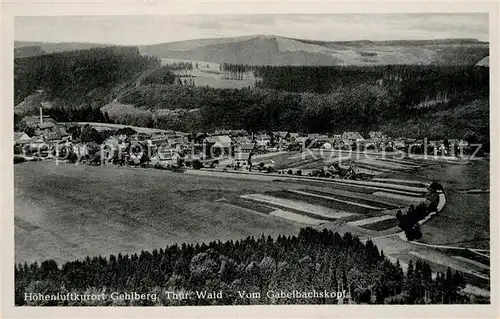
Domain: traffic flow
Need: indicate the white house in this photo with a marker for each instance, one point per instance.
(242, 160)
(21, 138)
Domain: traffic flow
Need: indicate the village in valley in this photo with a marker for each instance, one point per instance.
(234, 149)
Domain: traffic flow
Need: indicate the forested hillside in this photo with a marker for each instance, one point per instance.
(313, 260)
(413, 81)
(420, 106)
(77, 80)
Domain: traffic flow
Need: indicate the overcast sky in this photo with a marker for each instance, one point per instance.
(130, 30)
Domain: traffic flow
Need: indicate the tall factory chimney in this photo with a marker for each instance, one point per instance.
(41, 105)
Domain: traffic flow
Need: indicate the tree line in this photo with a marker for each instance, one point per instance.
(312, 260)
(180, 66)
(235, 71)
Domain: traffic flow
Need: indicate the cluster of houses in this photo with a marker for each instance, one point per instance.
(166, 147)
(44, 132)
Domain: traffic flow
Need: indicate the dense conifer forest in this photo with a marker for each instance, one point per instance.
(312, 260)
(79, 82)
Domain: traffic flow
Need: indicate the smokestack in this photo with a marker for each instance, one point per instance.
(41, 114)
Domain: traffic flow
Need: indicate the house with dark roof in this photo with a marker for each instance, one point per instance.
(281, 136)
(48, 129)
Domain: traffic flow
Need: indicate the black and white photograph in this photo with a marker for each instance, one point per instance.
(251, 159)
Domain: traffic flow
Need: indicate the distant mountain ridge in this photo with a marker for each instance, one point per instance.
(277, 50)
(28, 51)
(50, 47)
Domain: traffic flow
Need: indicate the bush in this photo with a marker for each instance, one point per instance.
(72, 158)
(299, 173)
(18, 149)
(290, 172)
(197, 164)
(19, 159)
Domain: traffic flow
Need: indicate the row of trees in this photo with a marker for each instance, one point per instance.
(408, 222)
(235, 71)
(313, 260)
(181, 66)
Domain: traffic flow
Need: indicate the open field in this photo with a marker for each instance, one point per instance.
(465, 218)
(62, 210)
(327, 201)
(369, 163)
(382, 224)
(320, 211)
(208, 74)
(300, 218)
(440, 260)
(66, 212)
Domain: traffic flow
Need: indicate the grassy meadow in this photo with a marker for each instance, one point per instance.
(68, 211)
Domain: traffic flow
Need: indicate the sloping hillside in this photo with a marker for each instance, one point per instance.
(191, 44)
(30, 105)
(262, 50)
(275, 50)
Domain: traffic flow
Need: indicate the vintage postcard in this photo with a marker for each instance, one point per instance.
(267, 160)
